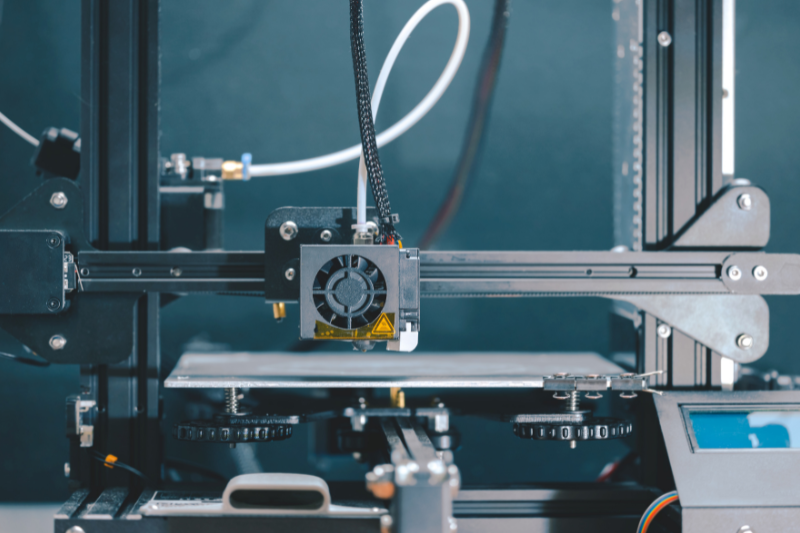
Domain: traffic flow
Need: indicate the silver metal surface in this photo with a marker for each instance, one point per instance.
(734, 272)
(290, 273)
(728, 88)
(180, 165)
(57, 342)
(288, 230)
(733, 479)
(664, 331)
(232, 400)
(745, 202)
(379, 370)
(714, 321)
(744, 341)
(760, 273)
(107, 505)
(72, 505)
(326, 235)
(664, 39)
(58, 200)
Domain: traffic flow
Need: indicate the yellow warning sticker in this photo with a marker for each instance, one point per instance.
(383, 325)
(381, 329)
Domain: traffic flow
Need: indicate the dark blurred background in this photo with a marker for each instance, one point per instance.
(275, 78)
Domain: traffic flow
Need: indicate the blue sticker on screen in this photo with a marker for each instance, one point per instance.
(745, 429)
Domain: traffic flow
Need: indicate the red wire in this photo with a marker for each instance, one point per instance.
(665, 503)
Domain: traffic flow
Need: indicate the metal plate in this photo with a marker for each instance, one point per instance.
(728, 478)
(344, 370)
(31, 272)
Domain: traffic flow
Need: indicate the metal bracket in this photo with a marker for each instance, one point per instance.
(739, 217)
(97, 327)
(418, 476)
(719, 322)
(80, 420)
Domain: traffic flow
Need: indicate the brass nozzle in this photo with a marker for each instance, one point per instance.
(279, 311)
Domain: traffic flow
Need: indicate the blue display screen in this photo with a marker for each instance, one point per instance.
(745, 429)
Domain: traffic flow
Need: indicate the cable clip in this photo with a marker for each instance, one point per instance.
(247, 158)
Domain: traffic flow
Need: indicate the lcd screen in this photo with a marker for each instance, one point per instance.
(744, 429)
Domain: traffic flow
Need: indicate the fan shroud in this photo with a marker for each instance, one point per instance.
(349, 292)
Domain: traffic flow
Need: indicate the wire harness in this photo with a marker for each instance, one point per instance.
(369, 145)
(656, 507)
(111, 461)
(476, 130)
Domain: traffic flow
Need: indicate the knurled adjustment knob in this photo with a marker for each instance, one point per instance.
(589, 429)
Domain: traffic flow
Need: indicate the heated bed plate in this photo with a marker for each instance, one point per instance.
(343, 370)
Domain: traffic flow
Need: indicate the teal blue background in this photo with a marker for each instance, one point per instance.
(275, 78)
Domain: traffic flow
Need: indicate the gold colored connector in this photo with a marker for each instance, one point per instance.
(397, 397)
(279, 311)
(232, 170)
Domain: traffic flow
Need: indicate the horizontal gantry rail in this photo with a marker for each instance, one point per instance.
(467, 274)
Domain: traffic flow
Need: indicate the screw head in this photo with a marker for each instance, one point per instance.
(745, 202)
(734, 272)
(664, 39)
(53, 241)
(78, 529)
(664, 331)
(744, 341)
(326, 235)
(84, 272)
(53, 304)
(760, 273)
(58, 200)
(57, 342)
(66, 469)
(290, 273)
(136, 272)
(744, 529)
(288, 230)
(176, 272)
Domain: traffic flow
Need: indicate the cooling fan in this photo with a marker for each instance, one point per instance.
(360, 293)
(349, 292)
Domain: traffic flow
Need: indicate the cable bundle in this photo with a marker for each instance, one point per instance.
(650, 513)
(367, 126)
(473, 141)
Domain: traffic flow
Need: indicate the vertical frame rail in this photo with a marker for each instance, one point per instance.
(120, 78)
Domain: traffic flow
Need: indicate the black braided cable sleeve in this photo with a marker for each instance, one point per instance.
(367, 126)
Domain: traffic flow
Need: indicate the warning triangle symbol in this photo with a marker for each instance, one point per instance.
(383, 325)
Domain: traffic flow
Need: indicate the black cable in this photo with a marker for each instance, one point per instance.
(102, 458)
(474, 139)
(25, 360)
(367, 126)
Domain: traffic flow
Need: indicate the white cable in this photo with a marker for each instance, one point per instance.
(426, 104)
(404, 124)
(19, 131)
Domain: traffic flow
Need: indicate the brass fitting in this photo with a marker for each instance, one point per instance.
(232, 170)
(397, 397)
(279, 311)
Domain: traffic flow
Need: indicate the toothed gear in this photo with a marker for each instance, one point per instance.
(232, 428)
(590, 429)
